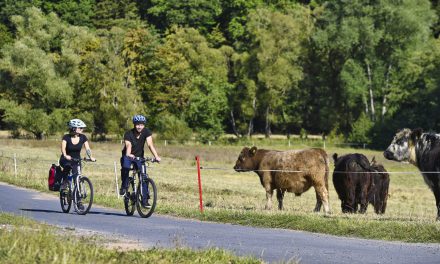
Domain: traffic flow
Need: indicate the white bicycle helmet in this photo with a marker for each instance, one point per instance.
(74, 123)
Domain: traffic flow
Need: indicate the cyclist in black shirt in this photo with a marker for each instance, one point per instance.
(71, 146)
(134, 140)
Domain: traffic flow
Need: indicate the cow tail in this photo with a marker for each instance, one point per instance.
(327, 172)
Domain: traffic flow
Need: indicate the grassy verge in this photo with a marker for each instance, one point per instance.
(25, 241)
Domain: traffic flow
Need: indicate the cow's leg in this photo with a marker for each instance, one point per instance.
(363, 199)
(350, 202)
(377, 206)
(384, 203)
(323, 195)
(343, 207)
(318, 202)
(436, 191)
(280, 196)
(269, 193)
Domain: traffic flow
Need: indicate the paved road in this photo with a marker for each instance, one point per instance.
(271, 245)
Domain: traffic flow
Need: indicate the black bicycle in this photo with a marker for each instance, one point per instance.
(79, 191)
(142, 196)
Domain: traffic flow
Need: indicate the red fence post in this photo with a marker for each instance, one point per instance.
(200, 184)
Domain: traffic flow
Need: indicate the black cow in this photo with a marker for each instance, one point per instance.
(423, 151)
(378, 194)
(352, 181)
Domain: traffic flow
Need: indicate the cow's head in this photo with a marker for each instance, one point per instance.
(245, 161)
(402, 148)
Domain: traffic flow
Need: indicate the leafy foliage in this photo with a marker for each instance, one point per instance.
(221, 66)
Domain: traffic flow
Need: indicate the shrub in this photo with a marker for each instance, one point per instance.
(172, 128)
(361, 129)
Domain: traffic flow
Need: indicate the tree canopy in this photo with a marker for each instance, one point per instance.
(357, 68)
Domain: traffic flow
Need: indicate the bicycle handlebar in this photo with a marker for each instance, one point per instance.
(84, 159)
(147, 159)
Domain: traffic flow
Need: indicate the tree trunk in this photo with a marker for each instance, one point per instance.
(267, 128)
(251, 121)
(286, 125)
(364, 99)
(234, 126)
(370, 88)
(387, 86)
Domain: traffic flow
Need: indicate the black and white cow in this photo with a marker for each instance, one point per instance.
(423, 151)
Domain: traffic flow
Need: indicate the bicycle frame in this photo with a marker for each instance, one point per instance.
(139, 172)
(79, 188)
(141, 189)
(76, 179)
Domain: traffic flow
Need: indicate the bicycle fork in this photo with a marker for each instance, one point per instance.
(143, 176)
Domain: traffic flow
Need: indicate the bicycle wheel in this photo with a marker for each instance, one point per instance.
(83, 196)
(146, 203)
(66, 199)
(130, 198)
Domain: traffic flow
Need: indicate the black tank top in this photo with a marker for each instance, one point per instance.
(74, 150)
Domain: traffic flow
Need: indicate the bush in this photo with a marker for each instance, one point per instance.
(361, 129)
(172, 128)
(335, 136)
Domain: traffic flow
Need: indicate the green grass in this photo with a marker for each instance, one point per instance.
(238, 198)
(25, 241)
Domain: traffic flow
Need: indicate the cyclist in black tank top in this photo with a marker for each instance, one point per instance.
(134, 142)
(71, 146)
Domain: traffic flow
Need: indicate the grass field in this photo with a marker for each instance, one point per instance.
(234, 197)
(25, 241)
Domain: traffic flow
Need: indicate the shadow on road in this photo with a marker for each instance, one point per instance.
(107, 213)
(60, 212)
(40, 210)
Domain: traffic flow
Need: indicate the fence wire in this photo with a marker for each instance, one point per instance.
(111, 166)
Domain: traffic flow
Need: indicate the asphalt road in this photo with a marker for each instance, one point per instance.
(271, 245)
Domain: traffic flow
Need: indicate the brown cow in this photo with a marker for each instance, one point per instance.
(292, 171)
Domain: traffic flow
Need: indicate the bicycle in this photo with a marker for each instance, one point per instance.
(135, 196)
(82, 194)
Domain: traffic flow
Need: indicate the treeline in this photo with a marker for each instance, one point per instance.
(356, 70)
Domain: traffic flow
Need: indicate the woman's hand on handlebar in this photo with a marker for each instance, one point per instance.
(156, 159)
(68, 157)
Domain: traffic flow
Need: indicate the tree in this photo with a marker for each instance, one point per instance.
(188, 79)
(9, 8)
(104, 89)
(200, 14)
(276, 46)
(32, 85)
(5, 36)
(233, 19)
(109, 13)
(74, 12)
(359, 45)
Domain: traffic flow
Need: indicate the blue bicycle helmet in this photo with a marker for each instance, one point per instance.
(139, 119)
